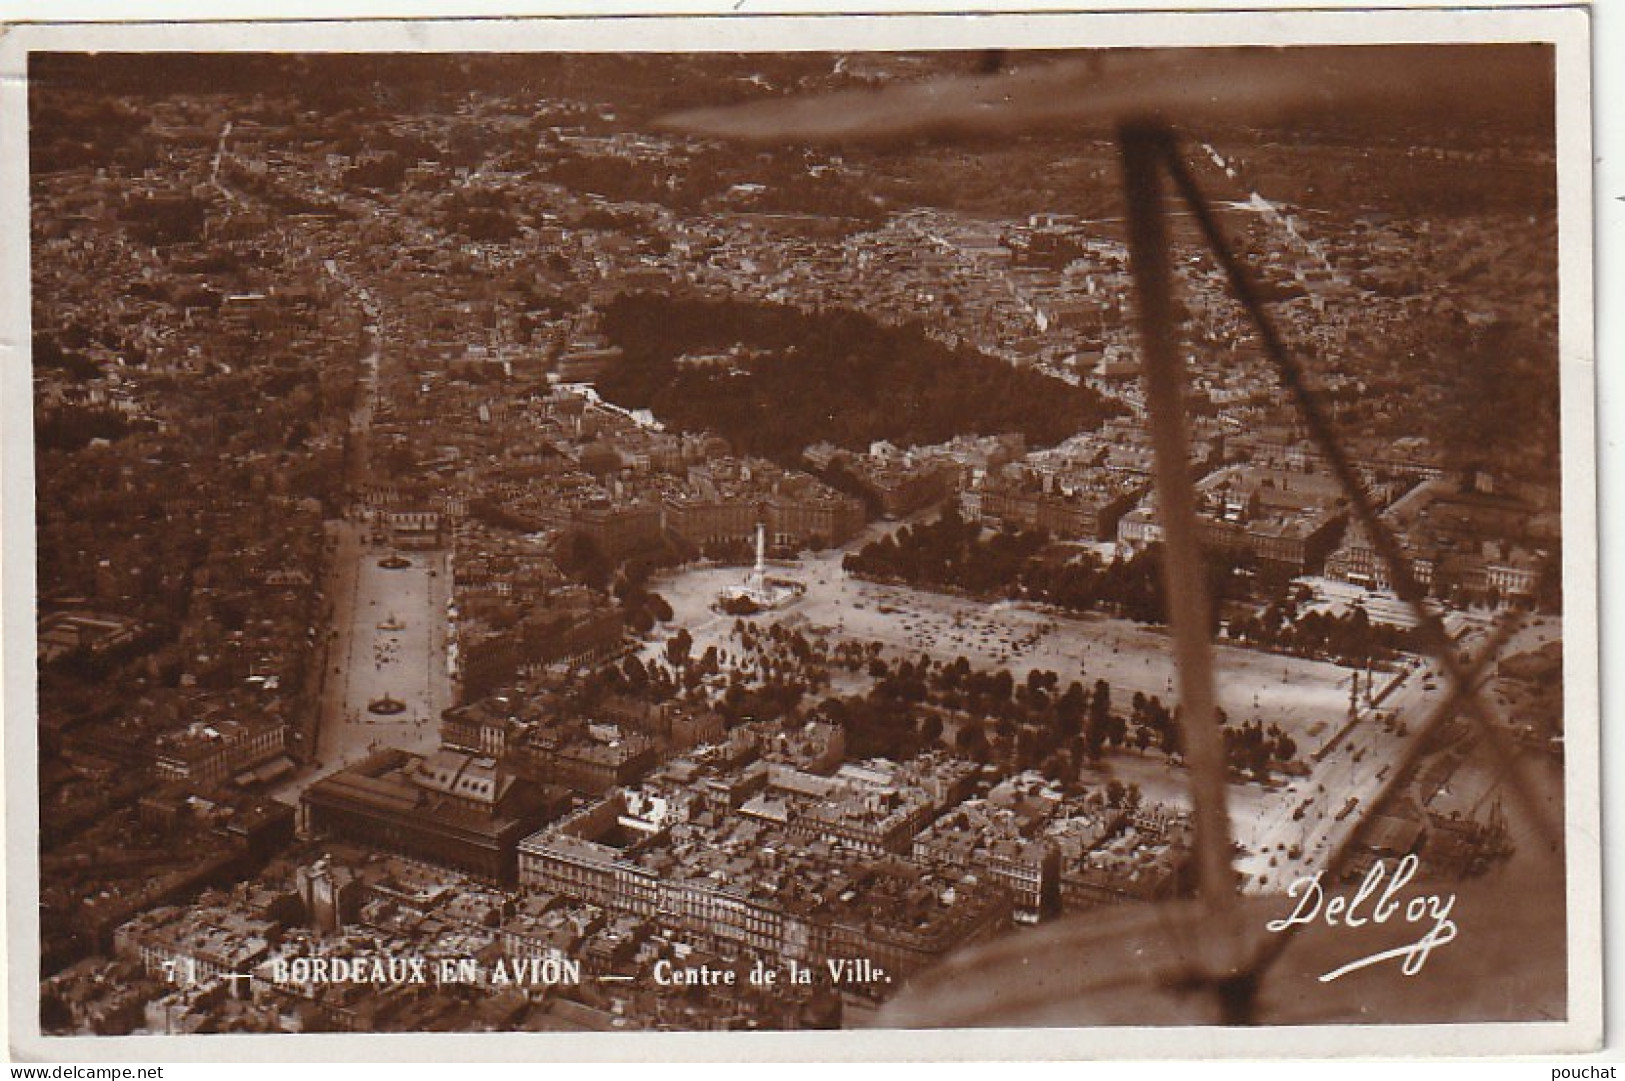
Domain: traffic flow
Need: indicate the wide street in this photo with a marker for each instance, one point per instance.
(1282, 844)
(397, 651)
(389, 636)
(387, 626)
(1356, 773)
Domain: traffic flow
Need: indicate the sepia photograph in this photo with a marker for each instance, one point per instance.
(569, 530)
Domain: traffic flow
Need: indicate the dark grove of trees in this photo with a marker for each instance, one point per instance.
(76, 134)
(165, 219)
(830, 375)
(71, 427)
(48, 353)
(952, 553)
(1027, 724)
(1349, 638)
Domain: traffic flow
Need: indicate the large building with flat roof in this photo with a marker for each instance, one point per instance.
(451, 808)
(742, 883)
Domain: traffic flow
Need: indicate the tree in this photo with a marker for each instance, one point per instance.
(640, 621)
(971, 741)
(930, 729)
(1116, 730)
(710, 663)
(583, 559)
(677, 648)
(1167, 726)
(1099, 726)
(1286, 748)
(1069, 711)
(951, 676)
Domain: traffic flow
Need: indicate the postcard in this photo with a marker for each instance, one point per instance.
(526, 538)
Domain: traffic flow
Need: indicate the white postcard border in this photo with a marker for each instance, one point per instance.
(1565, 27)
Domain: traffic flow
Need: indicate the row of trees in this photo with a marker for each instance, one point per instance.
(1253, 749)
(1349, 638)
(771, 672)
(952, 553)
(1033, 724)
(641, 607)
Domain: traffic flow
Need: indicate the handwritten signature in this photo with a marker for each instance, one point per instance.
(1386, 903)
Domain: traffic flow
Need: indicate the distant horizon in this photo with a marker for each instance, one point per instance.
(725, 75)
